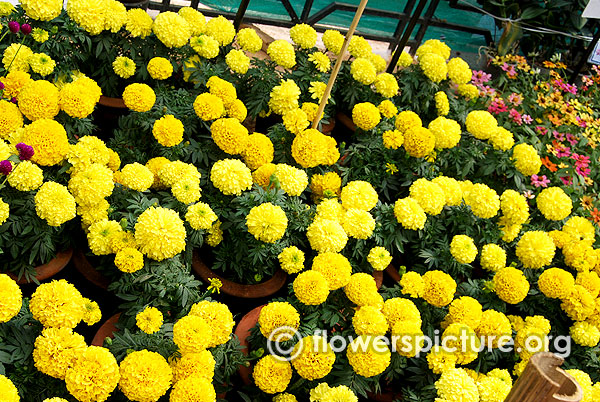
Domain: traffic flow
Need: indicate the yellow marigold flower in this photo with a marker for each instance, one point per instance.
(409, 213)
(160, 68)
(321, 61)
(121, 240)
(463, 249)
(54, 203)
(155, 165)
(208, 107)
(192, 334)
(14, 82)
(429, 195)
(579, 304)
(193, 388)
(379, 258)
(276, 315)
(509, 231)
(89, 14)
(311, 148)
(439, 360)
(11, 118)
(317, 90)
(313, 358)
(556, 283)
(412, 284)
(333, 41)
(206, 46)
(26, 176)
(149, 320)
(284, 97)
(200, 216)
(493, 257)
(434, 67)
(526, 159)
(100, 235)
(57, 304)
(514, 207)
(92, 314)
(554, 203)
(124, 67)
(360, 195)
(469, 91)
(92, 213)
(535, 249)
(336, 269)
(171, 29)
(295, 121)
(368, 355)
(481, 123)
(259, 151)
(434, 46)
(291, 259)
(39, 100)
(459, 71)
(494, 328)
(231, 176)
(139, 23)
(201, 364)
(359, 47)
(267, 222)
(442, 106)
(129, 260)
(75, 99)
(366, 116)
(272, 375)
(386, 85)
(10, 298)
(16, 58)
(249, 40)
(285, 397)
(387, 108)
(369, 320)
(585, 334)
(262, 175)
(362, 290)
(8, 389)
(221, 29)
(118, 16)
(439, 288)
(145, 376)
(502, 139)
(408, 337)
(282, 53)
(49, 141)
(311, 288)
(392, 139)
(237, 61)
(237, 110)
(160, 233)
(326, 235)
(399, 309)
(484, 201)
(139, 97)
(6, 8)
(462, 339)
(493, 389)
(218, 316)
(91, 184)
(56, 350)
(511, 285)
(303, 35)
(41, 64)
(580, 228)
(447, 132)
(418, 142)
(194, 18)
(168, 131)
(405, 60)
(94, 375)
(363, 71)
(464, 310)
(379, 62)
(585, 382)
(580, 256)
(330, 209)
(44, 11)
(136, 177)
(292, 180)
(451, 189)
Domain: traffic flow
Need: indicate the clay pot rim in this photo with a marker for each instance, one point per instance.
(117, 103)
(85, 268)
(242, 331)
(45, 271)
(263, 289)
(106, 330)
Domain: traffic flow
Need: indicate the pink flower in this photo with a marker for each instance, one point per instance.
(515, 99)
(539, 181)
(541, 130)
(572, 139)
(516, 116)
(563, 152)
(497, 106)
(558, 136)
(480, 77)
(527, 119)
(566, 180)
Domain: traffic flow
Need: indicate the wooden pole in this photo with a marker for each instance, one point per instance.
(543, 381)
(338, 63)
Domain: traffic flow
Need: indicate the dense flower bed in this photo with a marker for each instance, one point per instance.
(480, 188)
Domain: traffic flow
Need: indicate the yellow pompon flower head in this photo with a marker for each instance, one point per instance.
(10, 298)
(363, 71)
(335, 268)
(237, 61)
(459, 71)
(42, 11)
(193, 388)
(160, 233)
(9, 391)
(139, 97)
(274, 317)
(326, 235)
(94, 375)
(360, 195)
(49, 141)
(139, 23)
(76, 100)
(129, 260)
(57, 304)
(116, 16)
(369, 320)
(387, 108)
(56, 350)
(54, 203)
(313, 358)
(292, 180)
(434, 67)
(379, 62)
(160, 68)
(267, 222)
(535, 249)
(91, 184)
(392, 139)
(379, 258)
(200, 216)
(554, 203)
(481, 123)
(580, 228)
(442, 106)
(221, 29)
(502, 139)
(206, 46)
(145, 376)
(16, 58)
(92, 314)
(368, 355)
(556, 283)
(464, 310)
(412, 284)
(229, 135)
(511, 285)
(136, 177)
(192, 334)
(493, 257)
(39, 100)
(406, 120)
(201, 364)
(514, 207)
(526, 159)
(168, 130)
(463, 249)
(100, 236)
(585, 334)
(149, 320)
(311, 148)
(429, 195)
(359, 47)
(231, 176)
(218, 316)
(11, 118)
(88, 14)
(284, 97)
(386, 85)
(208, 106)
(26, 176)
(484, 201)
(249, 40)
(272, 375)
(194, 18)
(321, 61)
(418, 142)
(303, 35)
(451, 188)
(362, 290)
(311, 288)
(439, 288)
(282, 52)
(295, 121)
(333, 41)
(410, 214)
(434, 46)
(291, 259)
(124, 67)
(366, 115)
(456, 382)
(171, 29)
(447, 132)
(41, 64)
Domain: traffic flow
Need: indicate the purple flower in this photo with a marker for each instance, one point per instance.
(25, 151)
(26, 29)
(5, 167)
(13, 100)
(14, 26)
(1, 85)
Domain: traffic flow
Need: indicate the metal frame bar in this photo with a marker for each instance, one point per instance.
(428, 16)
(403, 40)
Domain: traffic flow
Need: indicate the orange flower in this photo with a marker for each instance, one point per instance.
(555, 119)
(548, 164)
(548, 64)
(587, 202)
(595, 216)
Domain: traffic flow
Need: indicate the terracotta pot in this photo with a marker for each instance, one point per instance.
(48, 270)
(106, 330)
(82, 264)
(263, 289)
(242, 331)
(393, 273)
(116, 103)
(328, 128)
(346, 121)
(378, 275)
(387, 395)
